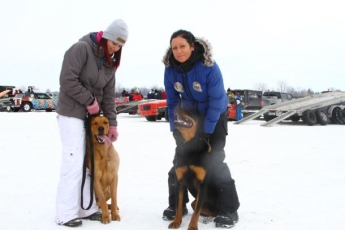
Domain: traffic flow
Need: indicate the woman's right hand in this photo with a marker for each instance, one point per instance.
(93, 108)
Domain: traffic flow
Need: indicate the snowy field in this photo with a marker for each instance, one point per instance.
(290, 176)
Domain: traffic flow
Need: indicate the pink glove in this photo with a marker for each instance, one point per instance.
(113, 134)
(93, 108)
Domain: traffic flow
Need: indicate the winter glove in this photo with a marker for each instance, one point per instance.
(113, 134)
(93, 108)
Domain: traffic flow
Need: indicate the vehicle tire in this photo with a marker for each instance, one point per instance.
(337, 116)
(295, 118)
(151, 118)
(166, 115)
(49, 110)
(342, 115)
(16, 109)
(321, 117)
(26, 107)
(267, 117)
(309, 117)
(8, 109)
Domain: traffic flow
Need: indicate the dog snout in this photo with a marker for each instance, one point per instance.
(101, 130)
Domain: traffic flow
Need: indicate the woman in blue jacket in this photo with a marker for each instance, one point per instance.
(194, 81)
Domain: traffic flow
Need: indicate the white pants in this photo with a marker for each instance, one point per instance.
(72, 134)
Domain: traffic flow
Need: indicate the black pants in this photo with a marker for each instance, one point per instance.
(221, 179)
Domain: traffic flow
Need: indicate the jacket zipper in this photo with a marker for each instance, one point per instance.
(185, 85)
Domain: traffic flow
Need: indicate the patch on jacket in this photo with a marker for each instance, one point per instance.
(178, 87)
(197, 86)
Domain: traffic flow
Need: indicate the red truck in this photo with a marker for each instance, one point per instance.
(154, 110)
(157, 109)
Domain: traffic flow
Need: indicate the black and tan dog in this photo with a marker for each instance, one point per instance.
(106, 166)
(192, 167)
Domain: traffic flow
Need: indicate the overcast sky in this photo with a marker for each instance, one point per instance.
(300, 42)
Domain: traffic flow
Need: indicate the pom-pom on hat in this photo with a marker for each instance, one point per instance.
(117, 32)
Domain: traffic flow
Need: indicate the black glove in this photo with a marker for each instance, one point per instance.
(177, 135)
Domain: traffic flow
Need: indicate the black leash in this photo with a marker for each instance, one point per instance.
(88, 150)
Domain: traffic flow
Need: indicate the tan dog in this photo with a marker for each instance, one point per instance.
(106, 166)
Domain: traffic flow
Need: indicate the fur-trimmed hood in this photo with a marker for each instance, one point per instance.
(208, 61)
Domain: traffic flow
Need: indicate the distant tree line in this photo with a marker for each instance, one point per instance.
(282, 86)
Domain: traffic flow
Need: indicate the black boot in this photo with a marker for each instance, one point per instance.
(228, 205)
(97, 216)
(226, 220)
(73, 223)
(170, 212)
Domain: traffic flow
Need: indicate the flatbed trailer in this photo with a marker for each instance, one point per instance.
(130, 107)
(320, 108)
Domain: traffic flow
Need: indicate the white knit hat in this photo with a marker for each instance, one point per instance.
(117, 32)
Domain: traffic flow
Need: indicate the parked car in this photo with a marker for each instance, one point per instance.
(36, 101)
(6, 106)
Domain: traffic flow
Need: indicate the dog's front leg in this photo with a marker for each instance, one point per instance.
(180, 172)
(113, 191)
(201, 182)
(102, 202)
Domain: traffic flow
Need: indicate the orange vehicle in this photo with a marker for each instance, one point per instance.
(154, 110)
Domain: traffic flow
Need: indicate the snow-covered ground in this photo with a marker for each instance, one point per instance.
(290, 176)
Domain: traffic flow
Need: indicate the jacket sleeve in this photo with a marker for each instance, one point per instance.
(73, 62)
(216, 94)
(173, 97)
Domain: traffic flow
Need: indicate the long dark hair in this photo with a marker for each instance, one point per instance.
(184, 34)
(115, 61)
(196, 55)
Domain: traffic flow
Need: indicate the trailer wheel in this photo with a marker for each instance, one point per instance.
(337, 116)
(322, 117)
(151, 118)
(342, 115)
(309, 117)
(267, 117)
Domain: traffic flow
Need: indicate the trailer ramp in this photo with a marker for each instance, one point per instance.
(296, 106)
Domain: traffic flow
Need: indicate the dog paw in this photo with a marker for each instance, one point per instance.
(192, 228)
(116, 217)
(174, 225)
(105, 219)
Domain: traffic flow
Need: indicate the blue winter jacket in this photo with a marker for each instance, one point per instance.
(201, 89)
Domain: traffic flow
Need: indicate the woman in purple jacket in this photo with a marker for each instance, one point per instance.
(194, 81)
(87, 85)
